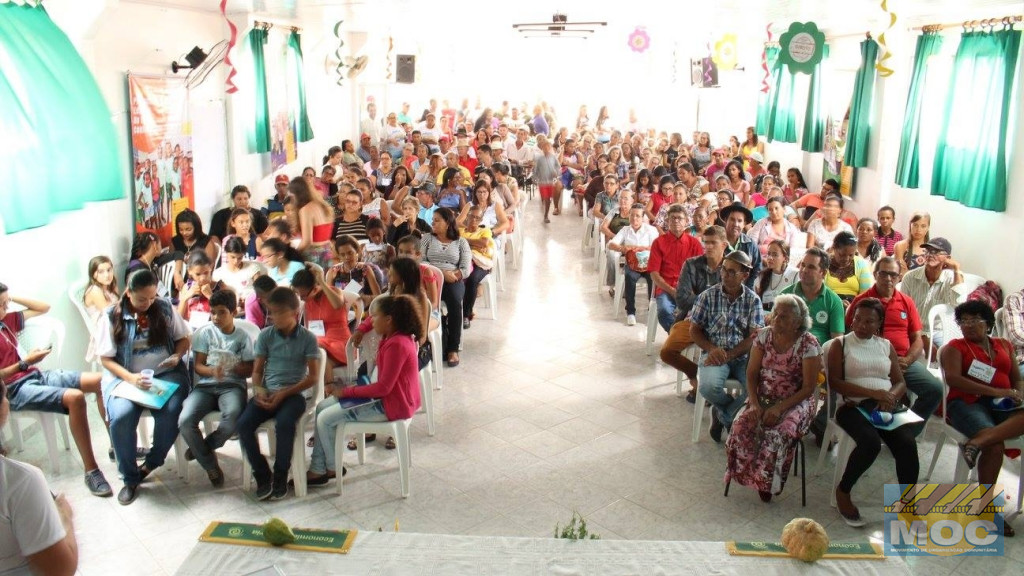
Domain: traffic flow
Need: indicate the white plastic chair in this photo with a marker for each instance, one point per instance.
(298, 464)
(652, 324)
(620, 284)
(75, 293)
(731, 385)
(179, 444)
(961, 473)
(490, 295)
(41, 331)
(970, 283)
(397, 429)
(166, 277)
(940, 315)
(999, 330)
(692, 353)
(427, 399)
(435, 335)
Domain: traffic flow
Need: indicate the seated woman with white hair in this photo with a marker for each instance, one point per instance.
(782, 373)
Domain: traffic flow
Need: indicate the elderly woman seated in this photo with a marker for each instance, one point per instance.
(985, 391)
(781, 376)
(864, 369)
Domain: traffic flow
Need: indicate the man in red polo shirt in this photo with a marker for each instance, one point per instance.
(902, 327)
(668, 253)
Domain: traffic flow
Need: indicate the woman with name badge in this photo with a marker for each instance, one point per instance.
(985, 392)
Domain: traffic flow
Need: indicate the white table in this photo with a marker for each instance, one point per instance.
(388, 553)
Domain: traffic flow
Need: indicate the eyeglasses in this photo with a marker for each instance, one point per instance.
(970, 321)
(885, 274)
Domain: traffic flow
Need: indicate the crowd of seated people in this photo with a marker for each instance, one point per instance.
(395, 236)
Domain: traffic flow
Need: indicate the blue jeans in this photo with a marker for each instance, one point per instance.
(711, 381)
(124, 415)
(927, 388)
(632, 277)
(286, 417)
(229, 399)
(666, 310)
(329, 415)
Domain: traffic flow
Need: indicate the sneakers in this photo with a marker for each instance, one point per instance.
(263, 489)
(280, 487)
(216, 476)
(631, 320)
(97, 484)
(716, 426)
(465, 324)
(140, 454)
(127, 494)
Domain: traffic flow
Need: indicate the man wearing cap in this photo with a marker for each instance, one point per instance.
(364, 147)
(902, 328)
(933, 283)
(719, 160)
(756, 168)
(668, 253)
(425, 194)
(699, 273)
(736, 216)
(465, 160)
(275, 204)
(444, 145)
(724, 320)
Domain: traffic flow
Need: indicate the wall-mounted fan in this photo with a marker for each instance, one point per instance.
(201, 63)
(356, 66)
(559, 27)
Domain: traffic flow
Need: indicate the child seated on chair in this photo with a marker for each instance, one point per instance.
(284, 370)
(194, 298)
(394, 396)
(224, 358)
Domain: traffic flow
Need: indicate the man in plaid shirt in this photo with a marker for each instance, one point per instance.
(723, 322)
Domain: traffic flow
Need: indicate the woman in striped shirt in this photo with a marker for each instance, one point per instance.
(450, 253)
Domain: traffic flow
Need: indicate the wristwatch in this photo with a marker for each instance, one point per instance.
(22, 366)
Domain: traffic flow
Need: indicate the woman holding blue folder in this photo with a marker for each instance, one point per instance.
(141, 346)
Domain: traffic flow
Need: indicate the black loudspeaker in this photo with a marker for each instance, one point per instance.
(406, 69)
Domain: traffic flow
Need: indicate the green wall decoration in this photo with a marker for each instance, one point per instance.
(802, 47)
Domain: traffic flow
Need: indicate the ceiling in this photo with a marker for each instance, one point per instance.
(836, 17)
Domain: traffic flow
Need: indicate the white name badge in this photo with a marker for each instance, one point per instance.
(317, 328)
(353, 287)
(197, 319)
(981, 371)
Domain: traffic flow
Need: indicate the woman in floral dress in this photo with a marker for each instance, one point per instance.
(782, 374)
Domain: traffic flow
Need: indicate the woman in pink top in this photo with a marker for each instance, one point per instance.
(394, 396)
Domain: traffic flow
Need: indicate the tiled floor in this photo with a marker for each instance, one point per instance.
(554, 408)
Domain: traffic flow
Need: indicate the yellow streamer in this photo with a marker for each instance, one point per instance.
(883, 70)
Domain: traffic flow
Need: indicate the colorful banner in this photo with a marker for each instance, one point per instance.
(161, 151)
(280, 95)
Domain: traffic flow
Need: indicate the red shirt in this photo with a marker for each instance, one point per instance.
(398, 378)
(901, 318)
(668, 254)
(469, 164)
(13, 323)
(657, 201)
(969, 352)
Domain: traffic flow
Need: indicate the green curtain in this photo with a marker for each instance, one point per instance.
(813, 139)
(303, 130)
(261, 114)
(858, 135)
(59, 145)
(909, 161)
(764, 99)
(781, 116)
(971, 156)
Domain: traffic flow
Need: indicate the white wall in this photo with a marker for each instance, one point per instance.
(114, 38)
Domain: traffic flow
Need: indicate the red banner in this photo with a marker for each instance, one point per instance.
(162, 153)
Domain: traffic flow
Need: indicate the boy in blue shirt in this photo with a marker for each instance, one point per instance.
(285, 369)
(224, 358)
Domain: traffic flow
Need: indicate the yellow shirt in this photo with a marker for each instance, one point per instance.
(482, 232)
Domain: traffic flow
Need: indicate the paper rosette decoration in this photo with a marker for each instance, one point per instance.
(639, 41)
(802, 47)
(725, 52)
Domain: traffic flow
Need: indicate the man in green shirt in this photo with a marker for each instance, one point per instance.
(826, 311)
